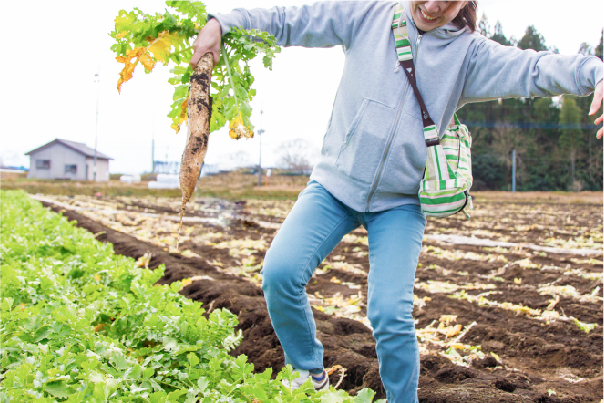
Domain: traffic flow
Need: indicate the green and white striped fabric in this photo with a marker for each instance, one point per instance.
(448, 177)
(403, 47)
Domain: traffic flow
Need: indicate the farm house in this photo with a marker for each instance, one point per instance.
(64, 159)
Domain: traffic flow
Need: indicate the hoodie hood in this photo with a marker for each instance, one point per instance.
(445, 32)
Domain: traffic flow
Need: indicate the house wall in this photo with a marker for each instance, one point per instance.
(102, 169)
(59, 156)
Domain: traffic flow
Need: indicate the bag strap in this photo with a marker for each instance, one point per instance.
(457, 123)
(405, 58)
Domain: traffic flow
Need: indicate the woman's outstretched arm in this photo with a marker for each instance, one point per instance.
(322, 24)
(498, 71)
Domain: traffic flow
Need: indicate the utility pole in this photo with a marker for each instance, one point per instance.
(96, 135)
(572, 166)
(260, 150)
(572, 160)
(514, 170)
(153, 147)
(590, 171)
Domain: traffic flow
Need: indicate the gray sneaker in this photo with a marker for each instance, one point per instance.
(304, 374)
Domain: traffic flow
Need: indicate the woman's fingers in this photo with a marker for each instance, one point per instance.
(216, 54)
(199, 52)
(208, 40)
(597, 101)
(596, 104)
(195, 59)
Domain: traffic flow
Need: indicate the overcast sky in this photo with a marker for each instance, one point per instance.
(53, 51)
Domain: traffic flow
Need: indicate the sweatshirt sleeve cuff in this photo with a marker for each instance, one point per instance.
(599, 74)
(234, 18)
(592, 70)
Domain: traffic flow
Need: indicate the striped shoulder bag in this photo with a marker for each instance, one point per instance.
(444, 190)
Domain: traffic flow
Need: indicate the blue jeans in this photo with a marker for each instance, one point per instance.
(310, 232)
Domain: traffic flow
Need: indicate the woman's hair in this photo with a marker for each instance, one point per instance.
(466, 16)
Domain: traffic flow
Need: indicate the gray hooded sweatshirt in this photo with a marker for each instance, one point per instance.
(374, 152)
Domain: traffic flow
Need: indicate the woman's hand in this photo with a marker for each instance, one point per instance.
(596, 104)
(208, 41)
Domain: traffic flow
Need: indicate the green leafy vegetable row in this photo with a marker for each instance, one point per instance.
(79, 323)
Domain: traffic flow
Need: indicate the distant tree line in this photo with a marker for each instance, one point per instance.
(554, 139)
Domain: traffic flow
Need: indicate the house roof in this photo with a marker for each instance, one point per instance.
(79, 147)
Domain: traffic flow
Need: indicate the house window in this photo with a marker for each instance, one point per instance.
(42, 164)
(70, 169)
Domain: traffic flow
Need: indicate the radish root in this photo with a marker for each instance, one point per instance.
(200, 110)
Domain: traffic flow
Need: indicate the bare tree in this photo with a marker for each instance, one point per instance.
(297, 154)
(239, 158)
(504, 141)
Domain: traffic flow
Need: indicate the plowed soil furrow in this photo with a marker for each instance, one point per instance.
(588, 313)
(204, 209)
(508, 322)
(536, 357)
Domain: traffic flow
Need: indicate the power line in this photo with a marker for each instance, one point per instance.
(479, 155)
(531, 125)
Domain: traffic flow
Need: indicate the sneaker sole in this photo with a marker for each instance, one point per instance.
(322, 384)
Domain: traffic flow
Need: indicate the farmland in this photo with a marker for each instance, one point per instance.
(508, 304)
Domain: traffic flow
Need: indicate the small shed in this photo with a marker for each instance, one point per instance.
(65, 159)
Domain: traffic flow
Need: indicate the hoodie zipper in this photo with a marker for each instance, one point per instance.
(398, 115)
(390, 138)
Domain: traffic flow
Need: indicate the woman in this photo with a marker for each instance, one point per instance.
(374, 155)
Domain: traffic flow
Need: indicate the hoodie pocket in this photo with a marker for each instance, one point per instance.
(365, 142)
(406, 162)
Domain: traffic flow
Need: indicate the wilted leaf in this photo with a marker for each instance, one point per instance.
(144, 260)
(129, 65)
(182, 115)
(237, 129)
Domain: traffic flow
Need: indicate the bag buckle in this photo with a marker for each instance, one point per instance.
(433, 142)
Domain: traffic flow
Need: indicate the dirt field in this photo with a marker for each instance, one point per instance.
(239, 185)
(229, 185)
(508, 304)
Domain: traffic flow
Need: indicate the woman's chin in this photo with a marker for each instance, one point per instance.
(424, 24)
